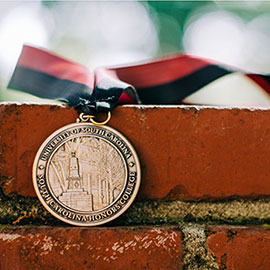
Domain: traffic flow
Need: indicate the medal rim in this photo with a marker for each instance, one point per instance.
(122, 210)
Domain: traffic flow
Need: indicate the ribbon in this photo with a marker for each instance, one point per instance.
(172, 80)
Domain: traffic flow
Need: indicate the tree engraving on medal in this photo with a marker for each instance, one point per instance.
(87, 173)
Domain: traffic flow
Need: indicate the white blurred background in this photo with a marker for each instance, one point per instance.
(100, 33)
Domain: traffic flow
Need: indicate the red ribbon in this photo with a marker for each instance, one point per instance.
(166, 81)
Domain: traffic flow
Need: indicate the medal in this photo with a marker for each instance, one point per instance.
(86, 173)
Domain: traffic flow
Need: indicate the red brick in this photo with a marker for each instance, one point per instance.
(185, 153)
(240, 248)
(94, 248)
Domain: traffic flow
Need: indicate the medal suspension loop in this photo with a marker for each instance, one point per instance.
(90, 118)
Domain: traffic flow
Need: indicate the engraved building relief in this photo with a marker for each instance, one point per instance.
(87, 173)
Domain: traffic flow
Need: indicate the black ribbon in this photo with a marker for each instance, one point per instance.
(167, 81)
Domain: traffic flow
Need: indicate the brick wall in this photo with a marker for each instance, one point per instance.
(203, 202)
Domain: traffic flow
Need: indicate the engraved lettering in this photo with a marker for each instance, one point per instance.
(86, 170)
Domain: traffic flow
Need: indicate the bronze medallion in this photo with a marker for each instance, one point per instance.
(86, 174)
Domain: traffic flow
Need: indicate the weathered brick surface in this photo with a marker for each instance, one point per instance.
(161, 248)
(238, 248)
(94, 248)
(186, 153)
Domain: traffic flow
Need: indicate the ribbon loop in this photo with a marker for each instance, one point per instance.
(172, 80)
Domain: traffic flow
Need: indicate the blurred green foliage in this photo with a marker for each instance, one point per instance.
(181, 11)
